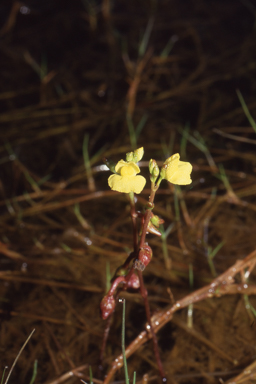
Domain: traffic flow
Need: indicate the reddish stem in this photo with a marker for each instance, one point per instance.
(144, 294)
(104, 341)
(135, 254)
(143, 290)
(134, 222)
(148, 215)
(115, 284)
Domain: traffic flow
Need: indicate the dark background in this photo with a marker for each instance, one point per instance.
(74, 73)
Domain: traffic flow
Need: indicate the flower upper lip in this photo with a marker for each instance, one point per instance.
(126, 179)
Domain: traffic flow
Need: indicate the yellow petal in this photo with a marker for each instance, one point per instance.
(172, 165)
(127, 171)
(177, 172)
(126, 184)
(137, 183)
(123, 163)
(182, 175)
(113, 180)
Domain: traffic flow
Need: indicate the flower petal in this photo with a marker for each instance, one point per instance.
(123, 163)
(126, 184)
(136, 183)
(172, 165)
(182, 175)
(112, 181)
(177, 172)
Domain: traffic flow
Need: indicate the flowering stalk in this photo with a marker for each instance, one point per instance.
(126, 179)
(150, 206)
(144, 262)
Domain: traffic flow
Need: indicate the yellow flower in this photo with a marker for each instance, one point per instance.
(176, 171)
(126, 180)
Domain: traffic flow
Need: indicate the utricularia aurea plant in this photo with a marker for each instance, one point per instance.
(126, 179)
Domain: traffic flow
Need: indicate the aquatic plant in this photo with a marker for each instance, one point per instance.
(126, 180)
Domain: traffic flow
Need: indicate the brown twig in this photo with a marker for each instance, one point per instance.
(132, 92)
(219, 287)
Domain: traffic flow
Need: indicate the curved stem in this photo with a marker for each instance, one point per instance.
(144, 294)
(115, 284)
(104, 342)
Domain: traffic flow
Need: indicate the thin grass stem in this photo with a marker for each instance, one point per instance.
(123, 344)
(80, 217)
(17, 357)
(34, 373)
(90, 375)
(190, 307)
(246, 110)
(132, 133)
(141, 125)
(169, 46)
(146, 36)
(184, 140)
(3, 375)
(87, 164)
(165, 234)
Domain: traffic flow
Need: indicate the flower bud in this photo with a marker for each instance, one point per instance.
(151, 165)
(107, 306)
(156, 220)
(129, 156)
(155, 171)
(138, 154)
